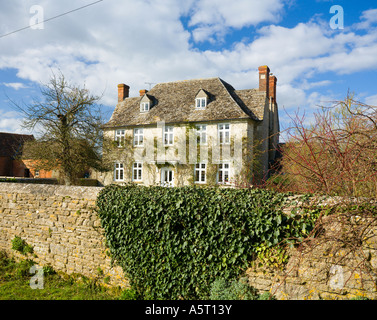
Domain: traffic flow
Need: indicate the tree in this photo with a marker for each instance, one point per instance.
(70, 121)
(336, 155)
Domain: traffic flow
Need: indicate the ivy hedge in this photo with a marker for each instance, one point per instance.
(173, 243)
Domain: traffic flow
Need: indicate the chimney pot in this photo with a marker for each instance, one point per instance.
(143, 92)
(123, 91)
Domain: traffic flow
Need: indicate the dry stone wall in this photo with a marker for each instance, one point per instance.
(61, 225)
(339, 264)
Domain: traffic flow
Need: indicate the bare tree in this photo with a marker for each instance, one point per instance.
(336, 154)
(70, 121)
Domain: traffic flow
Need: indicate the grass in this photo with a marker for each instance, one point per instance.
(15, 284)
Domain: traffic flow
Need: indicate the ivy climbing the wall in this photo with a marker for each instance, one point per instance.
(172, 243)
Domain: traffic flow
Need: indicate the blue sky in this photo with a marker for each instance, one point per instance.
(143, 41)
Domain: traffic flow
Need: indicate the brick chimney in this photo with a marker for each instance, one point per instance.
(123, 91)
(264, 82)
(272, 87)
(143, 92)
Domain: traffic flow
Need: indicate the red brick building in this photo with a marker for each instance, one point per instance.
(11, 164)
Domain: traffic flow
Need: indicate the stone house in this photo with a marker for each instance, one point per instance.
(193, 132)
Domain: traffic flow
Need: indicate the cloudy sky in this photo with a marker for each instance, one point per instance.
(317, 53)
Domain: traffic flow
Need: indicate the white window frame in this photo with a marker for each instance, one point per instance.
(119, 137)
(199, 169)
(145, 106)
(222, 170)
(168, 135)
(137, 168)
(138, 137)
(118, 171)
(223, 133)
(201, 132)
(200, 103)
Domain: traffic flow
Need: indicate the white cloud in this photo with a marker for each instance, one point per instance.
(371, 100)
(14, 85)
(145, 41)
(369, 17)
(236, 14)
(10, 121)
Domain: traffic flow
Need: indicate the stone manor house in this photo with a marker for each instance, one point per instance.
(194, 132)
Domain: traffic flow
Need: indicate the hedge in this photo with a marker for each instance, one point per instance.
(172, 243)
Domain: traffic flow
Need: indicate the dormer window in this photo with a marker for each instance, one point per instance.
(201, 99)
(200, 103)
(145, 103)
(144, 106)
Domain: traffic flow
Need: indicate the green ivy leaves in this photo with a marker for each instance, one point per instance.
(172, 243)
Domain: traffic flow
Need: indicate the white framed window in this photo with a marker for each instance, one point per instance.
(144, 106)
(138, 137)
(119, 137)
(118, 172)
(168, 136)
(200, 103)
(223, 175)
(201, 133)
(200, 172)
(224, 133)
(137, 171)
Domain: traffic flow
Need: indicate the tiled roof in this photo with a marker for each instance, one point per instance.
(11, 143)
(174, 102)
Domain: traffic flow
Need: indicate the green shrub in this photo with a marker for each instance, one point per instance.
(172, 243)
(222, 289)
(20, 245)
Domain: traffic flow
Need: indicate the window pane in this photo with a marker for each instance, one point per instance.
(204, 137)
(227, 137)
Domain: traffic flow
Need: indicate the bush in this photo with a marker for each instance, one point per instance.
(20, 245)
(222, 289)
(172, 243)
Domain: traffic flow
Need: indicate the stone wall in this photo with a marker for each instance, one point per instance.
(61, 225)
(340, 263)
